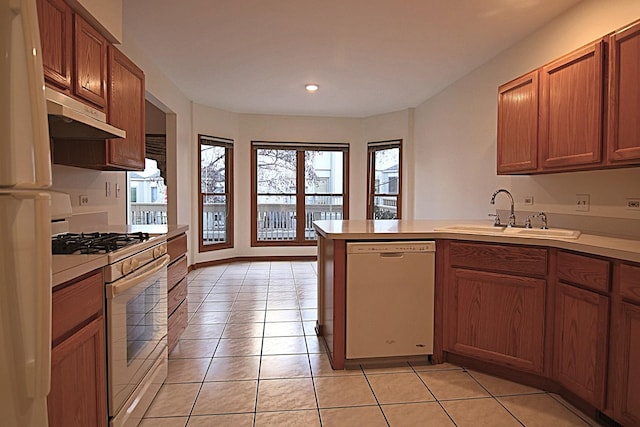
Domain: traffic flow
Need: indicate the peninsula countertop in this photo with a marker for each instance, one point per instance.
(372, 230)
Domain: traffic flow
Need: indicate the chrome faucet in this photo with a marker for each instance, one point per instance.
(512, 215)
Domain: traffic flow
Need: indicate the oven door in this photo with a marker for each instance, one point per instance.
(136, 328)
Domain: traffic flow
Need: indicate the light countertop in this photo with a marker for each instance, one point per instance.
(608, 246)
(69, 267)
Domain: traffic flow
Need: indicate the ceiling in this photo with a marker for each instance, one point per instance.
(368, 56)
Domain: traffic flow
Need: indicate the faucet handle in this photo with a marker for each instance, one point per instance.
(496, 222)
(543, 218)
(527, 222)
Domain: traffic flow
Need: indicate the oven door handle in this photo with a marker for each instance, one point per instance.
(138, 277)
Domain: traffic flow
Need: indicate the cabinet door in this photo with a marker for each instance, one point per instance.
(55, 21)
(498, 318)
(78, 388)
(580, 345)
(626, 339)
(571, 109)
(518, 125)
(90, 47)
(126, 111)
(623, 137)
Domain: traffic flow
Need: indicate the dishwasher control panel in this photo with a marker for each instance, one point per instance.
(381, 247)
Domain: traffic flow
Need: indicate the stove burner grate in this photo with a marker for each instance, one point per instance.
(94, 243)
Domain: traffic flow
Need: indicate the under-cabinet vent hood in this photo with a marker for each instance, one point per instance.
(71, 119)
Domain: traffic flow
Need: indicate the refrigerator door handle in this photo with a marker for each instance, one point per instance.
(34, 307)
(41, 369)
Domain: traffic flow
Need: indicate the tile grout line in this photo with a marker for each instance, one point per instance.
(210, 362)
(493, 396)
(255, 406)
(435, 397)
(374, 395)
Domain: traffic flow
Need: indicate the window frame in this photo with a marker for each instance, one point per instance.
(372, 148)
(300, 196)
(227, 144)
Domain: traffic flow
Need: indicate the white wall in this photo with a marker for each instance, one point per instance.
(244, 128)
(92, 183)
(455, 131)
(397, 125)
(106, 15)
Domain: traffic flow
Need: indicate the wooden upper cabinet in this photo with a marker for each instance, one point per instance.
(518, 125)
(55, 20)
(90, 47)
(623, 136)
(126, 111)
(571, 109)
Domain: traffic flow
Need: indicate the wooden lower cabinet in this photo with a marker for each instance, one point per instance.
(580, 345)
(497, 317)
(78, 389)
(624, 370)
(78, 357)
(177, 313)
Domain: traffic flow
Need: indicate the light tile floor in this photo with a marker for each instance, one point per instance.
(250, 357)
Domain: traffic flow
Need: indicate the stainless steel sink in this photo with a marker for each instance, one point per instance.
(558, 233)
(551, 233)
(472, 228)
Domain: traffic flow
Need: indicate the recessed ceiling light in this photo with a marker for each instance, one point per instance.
(312, 87)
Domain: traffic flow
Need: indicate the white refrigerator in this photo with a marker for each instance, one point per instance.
(25, 227)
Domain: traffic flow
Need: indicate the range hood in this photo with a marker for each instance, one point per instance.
(71, 119)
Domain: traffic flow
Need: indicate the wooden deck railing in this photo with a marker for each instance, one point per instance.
(276, 221)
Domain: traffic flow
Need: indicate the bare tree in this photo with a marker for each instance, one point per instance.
(277, 169)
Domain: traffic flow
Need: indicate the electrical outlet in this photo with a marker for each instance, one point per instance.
(633, 204)
(528, 200)
(108, 189)
(582, 202)
(84, 200)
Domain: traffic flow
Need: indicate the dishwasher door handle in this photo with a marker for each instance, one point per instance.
(391, 254)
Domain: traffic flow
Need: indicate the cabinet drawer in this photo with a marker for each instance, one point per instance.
(75, 304)
(176, 325)
(176, 295)
(630, 282)
(177, 246)
(582, 270)
(508, 259)
(176, 271)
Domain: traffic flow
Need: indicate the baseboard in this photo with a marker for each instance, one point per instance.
(252, 259)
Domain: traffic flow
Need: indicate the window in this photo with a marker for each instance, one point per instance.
(293, 185)
(384, 177)
(215, 193)
(146, 195)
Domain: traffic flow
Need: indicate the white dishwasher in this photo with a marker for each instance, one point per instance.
(389, 299)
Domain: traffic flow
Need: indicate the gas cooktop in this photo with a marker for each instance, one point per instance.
(94, 243)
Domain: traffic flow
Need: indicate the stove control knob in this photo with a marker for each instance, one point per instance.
(159, 251)
(135, 263)
(126, 267)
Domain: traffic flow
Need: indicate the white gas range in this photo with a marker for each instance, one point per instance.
(135, 274)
